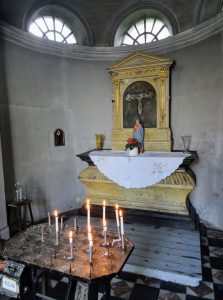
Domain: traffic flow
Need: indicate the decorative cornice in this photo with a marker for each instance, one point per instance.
(172, 43)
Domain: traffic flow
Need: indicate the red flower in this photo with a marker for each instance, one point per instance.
(132, 141)
(131, 144)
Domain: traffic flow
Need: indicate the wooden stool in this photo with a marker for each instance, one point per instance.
(19, 205)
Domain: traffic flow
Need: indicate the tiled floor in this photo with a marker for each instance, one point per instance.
(133, 287)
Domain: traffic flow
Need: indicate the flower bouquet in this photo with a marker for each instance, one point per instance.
(132, 146)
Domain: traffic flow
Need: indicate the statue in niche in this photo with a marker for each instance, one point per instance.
(138, 134)
(59, 137)
(139, 102)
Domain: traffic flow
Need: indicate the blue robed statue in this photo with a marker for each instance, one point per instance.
(138, 134)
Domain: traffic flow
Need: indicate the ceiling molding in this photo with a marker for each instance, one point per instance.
(172, 43)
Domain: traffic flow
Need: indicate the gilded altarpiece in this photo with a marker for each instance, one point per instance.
(141, 90)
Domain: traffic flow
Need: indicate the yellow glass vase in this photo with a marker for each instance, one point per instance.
(99, 141)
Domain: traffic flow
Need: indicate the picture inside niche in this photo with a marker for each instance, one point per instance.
(139, 102)
(59, 137)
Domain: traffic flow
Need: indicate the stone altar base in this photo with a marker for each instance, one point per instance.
(169, 195)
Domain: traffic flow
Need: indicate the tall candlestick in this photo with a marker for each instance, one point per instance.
(56, 221)
(61, 223)
(88, 213)
(104, 211)
(89, 233)
(42, 237)
(57, 238)
(91, 251)
(105, 235)
(71, 243)
(75, 223)
(122, 229)
(117, 220)
(49, 219)
(121, 221)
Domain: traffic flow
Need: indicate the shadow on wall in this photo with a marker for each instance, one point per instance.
(5, 130)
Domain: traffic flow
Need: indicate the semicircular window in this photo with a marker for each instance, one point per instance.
(53, 29)
(145, 31)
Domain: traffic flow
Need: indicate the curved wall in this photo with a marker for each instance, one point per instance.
(72, 90)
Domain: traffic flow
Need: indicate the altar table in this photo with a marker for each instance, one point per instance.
(139, 171)
(28, 249)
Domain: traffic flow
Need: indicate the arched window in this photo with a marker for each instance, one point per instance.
(144, 31)
(143, 23)
(58, 22)
(52, 28)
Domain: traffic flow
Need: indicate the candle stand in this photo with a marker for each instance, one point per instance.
(76, 265)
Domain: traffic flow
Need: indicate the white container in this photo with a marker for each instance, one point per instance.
(133, 152)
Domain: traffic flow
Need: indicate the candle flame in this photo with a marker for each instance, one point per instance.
(89, 236)
(104, 203)
(88, 201)
(56, 213)
(116, 206)
(120, 213)
(70, 234)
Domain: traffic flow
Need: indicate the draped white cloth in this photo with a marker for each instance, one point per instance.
(139, 171)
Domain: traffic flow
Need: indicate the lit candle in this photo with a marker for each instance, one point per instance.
(89, 233)
(88, 213)
(71, 243)
(105, 233)
(49, 219)
(56, 221)
(117, 217)
(89, 236)
(104, 211)
(91, 251)
(61, 224)
(121, 221)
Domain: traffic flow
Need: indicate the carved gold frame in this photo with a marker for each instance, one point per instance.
(154, 70)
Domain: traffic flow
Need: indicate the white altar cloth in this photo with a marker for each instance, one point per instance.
(139, 171)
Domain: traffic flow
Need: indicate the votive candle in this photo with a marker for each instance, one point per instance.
(61, 223)
(75, 223)
(121, 221)
(49, 219)
(56, 221)
(104, 203)
(71, 243)
(91, 251)
(88, 213)
(117, 216)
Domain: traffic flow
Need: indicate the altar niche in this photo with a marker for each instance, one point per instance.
(59, 137)
(141, 91)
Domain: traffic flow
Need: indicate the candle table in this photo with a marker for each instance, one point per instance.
(47, 258)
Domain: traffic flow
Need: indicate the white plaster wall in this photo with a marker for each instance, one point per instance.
(196, 110)
(43, 92)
